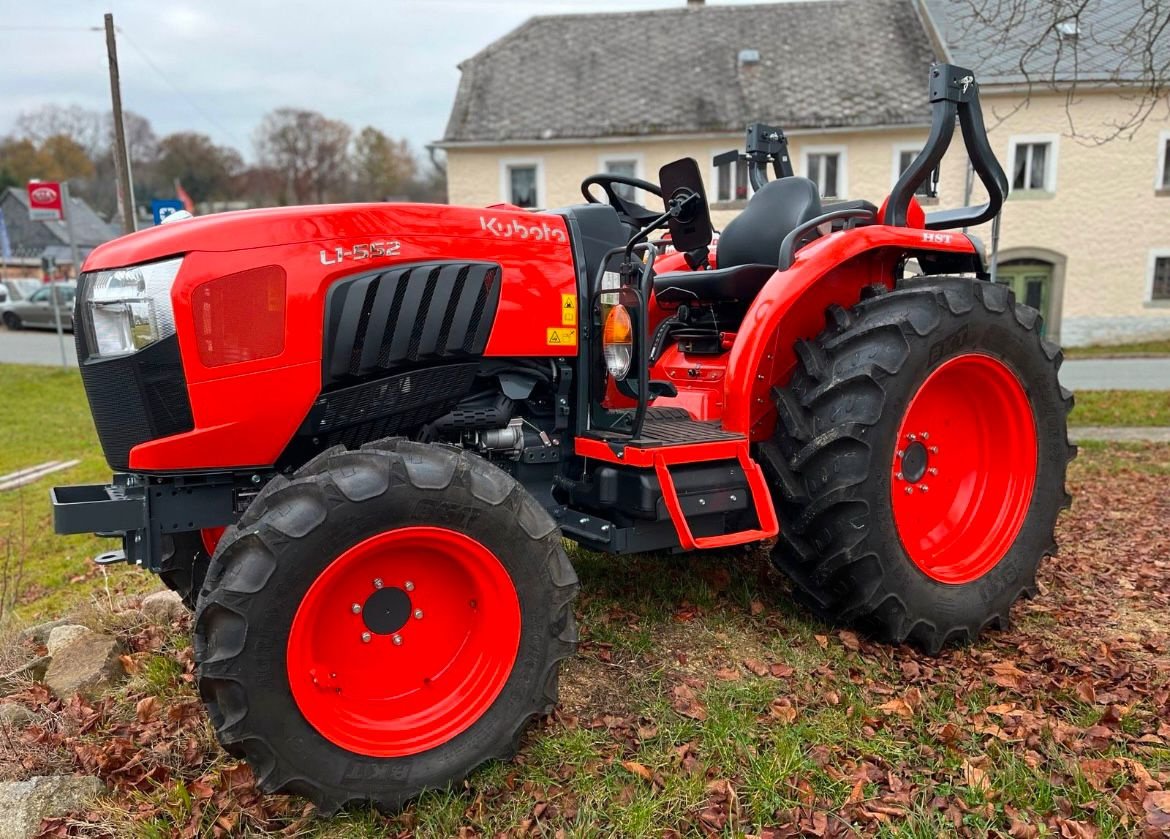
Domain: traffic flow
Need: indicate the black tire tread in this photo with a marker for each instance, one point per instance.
(821, 544)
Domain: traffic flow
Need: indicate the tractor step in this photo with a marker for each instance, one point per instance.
(669, 440)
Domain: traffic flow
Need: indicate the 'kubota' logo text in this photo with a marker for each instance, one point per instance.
(518, 230)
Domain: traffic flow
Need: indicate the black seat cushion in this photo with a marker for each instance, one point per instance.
(739, 282)
(754, 236)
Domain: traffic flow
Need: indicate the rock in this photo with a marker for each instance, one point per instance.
(14, 715)
(164, 606)
(39, 634)
(62, 636)
(87, 665)
(34, 670)
(24, 803)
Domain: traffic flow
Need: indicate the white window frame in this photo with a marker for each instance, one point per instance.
(636, 158)
(896, 159)
(1155, 255)
(1050, 168)
(1161, 176)
(842, 153)
(508, 163)
(713, 195)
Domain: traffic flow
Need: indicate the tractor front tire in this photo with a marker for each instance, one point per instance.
(383, 623)
(919, 461)
(184, 565)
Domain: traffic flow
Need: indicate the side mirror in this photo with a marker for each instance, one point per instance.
(682, 181)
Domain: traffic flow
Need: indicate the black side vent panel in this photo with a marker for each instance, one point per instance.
(407, 316)
(359, 413)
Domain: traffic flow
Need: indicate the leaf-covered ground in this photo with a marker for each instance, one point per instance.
(703, 703)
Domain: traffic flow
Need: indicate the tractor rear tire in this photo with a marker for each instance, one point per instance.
(383, 623)
(919, 461)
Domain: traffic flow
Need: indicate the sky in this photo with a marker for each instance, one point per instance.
(217, 67)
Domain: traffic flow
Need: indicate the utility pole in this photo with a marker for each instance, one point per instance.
(121, 154)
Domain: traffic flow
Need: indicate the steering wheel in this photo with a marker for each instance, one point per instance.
(631, 212)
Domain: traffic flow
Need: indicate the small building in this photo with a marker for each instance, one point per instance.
(1085, 233)
(31, 241)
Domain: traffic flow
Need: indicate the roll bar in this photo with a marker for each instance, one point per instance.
(953, 92)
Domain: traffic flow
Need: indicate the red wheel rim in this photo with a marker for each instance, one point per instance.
(403, 641)
(964, 468)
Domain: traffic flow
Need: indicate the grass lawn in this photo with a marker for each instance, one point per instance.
(1141, 348)
(702, 702)
(1121, 407)
(43, 417)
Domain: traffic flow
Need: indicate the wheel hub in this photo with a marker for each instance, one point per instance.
(386, 611)
(914, 461)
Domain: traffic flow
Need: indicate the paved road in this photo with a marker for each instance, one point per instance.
(40, 347)
(35, 346)
(1116, 374)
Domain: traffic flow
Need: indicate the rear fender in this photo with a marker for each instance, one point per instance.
(791, 306)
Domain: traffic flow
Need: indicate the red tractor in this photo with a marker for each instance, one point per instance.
(354, 437)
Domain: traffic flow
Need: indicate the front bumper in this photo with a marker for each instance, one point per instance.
(144, 510)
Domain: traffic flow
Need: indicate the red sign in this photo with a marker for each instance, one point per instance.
(44, 201)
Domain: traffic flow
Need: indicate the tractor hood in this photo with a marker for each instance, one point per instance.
(243, 229)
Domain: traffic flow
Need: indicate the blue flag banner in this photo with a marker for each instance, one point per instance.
(5, 245)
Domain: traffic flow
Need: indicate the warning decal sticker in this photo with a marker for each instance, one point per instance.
(568, 310)
(562, 337)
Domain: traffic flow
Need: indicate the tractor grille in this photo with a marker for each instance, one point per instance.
(407, 316)
(136, 397)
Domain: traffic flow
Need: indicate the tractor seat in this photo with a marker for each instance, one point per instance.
(738, 283)
(779, 207)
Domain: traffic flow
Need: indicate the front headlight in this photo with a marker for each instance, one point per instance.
(127, 309)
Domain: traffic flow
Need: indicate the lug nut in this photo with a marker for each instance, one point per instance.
(901, 453)
(418, 614)
(911, 437)
(398, 640)
(909, 490)
(932, 470)
(934, 449)
(365, 637)
(377, 582)
(922, 487)
(355, 608)
(925, 436)
(899, 476)
(409, 586)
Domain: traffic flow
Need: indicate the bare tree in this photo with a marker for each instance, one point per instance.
(382, 168)
(309, 151)
(1066, 46)
(79, 124)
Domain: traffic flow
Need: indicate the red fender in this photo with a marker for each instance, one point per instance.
(792, 305)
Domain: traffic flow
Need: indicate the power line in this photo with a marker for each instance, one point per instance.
(6, 28)
(162, 75)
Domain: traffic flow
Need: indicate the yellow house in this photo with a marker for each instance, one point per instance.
(1085, 233)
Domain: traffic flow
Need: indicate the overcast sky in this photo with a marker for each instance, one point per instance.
(216, 67)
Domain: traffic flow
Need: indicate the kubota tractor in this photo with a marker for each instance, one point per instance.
(354, 437)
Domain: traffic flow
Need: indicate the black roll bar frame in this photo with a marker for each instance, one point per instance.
(953, 93)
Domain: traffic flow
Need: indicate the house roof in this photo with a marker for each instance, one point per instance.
(826, 63)
(88, 226)
(1022, 42)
